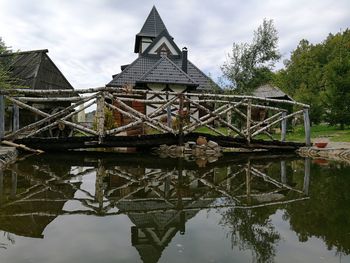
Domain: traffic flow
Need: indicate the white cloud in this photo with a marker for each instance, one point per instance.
(89, 39)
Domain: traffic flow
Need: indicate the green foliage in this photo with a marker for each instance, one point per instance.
(5, 80)
(250, 65)
(109, 120)
(319, 75)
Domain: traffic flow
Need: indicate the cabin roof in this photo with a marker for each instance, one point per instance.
(34, 69)
(269, 91)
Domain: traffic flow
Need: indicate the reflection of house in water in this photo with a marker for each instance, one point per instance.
(158, 207)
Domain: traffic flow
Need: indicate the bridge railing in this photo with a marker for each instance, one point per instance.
(149, 111)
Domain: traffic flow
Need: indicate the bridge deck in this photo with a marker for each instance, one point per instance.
(149, 141)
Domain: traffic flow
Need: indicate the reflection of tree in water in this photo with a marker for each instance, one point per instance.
(252, 229)
(327, 214)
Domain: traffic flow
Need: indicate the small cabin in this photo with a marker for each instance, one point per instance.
(33, 70)
(269, 92)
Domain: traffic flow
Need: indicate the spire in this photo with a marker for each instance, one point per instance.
(152, 27)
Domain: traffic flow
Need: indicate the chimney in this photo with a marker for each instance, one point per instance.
(184, 59)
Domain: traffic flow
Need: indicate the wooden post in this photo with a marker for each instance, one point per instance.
(168, 111)
(307, 127)
(181, 108)
(100, 173)
(100, 117)
(307, 175)
(229, 121)
(15, 117)
(248, 179)
(283, 172)
(283, 126)
(249, 117)
(13, 184)
(2, 117)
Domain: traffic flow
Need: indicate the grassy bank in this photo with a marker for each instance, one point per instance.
(334, 134)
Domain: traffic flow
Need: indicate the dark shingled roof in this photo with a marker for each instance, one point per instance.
(34, 69)
(141, 65)
(152, 27)
(166, 72)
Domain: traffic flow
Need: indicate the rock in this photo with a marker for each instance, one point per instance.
(212, 144)
(201, 140)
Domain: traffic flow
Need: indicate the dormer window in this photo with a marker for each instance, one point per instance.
(163, 50)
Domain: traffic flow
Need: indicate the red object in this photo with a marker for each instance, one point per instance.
(321, 144)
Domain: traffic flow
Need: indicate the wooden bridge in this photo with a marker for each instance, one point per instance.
(145, 118)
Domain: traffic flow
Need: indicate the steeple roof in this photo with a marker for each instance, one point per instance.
(152, 27)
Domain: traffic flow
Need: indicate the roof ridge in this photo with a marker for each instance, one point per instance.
(176, 67)
(180, 69)
(153, 67)
(26, 52)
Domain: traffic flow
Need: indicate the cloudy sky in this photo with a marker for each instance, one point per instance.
(89, 39)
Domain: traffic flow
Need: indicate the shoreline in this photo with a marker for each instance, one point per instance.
(335, 151)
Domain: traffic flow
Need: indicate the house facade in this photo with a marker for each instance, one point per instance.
(160, 66)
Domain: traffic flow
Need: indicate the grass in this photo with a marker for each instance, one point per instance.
(333, 133)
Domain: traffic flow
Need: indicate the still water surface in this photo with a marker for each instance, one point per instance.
(112, 208)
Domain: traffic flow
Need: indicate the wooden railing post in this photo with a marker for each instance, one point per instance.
(181, 109)
(2, 117)
(100, 116)
(307, 168)
(283, 126)
(249, 117)
(168, 111)
(15, 117)
(307, 127)
(229, 121)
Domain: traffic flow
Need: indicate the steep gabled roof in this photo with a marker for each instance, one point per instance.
(141, 65)
(165, 34)
(152, 27)
(34, 69)
(167, 72)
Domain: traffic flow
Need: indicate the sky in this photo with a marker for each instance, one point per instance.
(89, 39)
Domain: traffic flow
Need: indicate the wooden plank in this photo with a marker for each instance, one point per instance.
(275, 122)
(15, 117)
(307, 127)
(283, 127)
(249, 117)
(100, 116)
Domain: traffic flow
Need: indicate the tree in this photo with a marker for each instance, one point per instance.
(250, 65)
(5, 80)
(319, 76)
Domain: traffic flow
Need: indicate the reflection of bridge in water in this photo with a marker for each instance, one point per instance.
(159, 198)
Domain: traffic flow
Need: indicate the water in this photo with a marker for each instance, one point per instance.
(132, 208)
